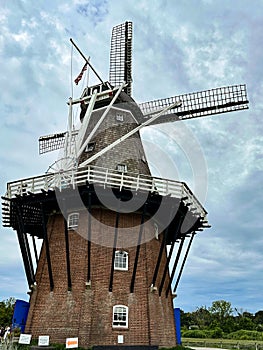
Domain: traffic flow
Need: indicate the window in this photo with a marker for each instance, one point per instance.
(119, 117)
(121, 260)
(122, 168)
(73, 221)
(90, 147)
(120, 316)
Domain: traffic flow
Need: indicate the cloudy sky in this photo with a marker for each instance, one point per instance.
(180, 46)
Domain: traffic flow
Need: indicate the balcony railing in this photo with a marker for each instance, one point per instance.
(107, 178)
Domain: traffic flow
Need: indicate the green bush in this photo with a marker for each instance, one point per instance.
(245, 335)
(216, 333)
(195, 333)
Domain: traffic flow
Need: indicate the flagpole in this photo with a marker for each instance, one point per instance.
(87, 61)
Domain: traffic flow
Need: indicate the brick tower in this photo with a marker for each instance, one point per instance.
(103, 273)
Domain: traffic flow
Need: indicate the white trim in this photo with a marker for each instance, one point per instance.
(75, 220)
(126, 315)
(119, 117)
(121, 252)
(121, 167)
(85, 122)
(100, 121)
(90, 146)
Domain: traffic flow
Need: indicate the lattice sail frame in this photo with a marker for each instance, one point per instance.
(193, 105)
(53, 142)
(199, 104)
(121, 56)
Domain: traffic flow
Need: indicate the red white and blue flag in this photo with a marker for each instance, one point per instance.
(79, 77)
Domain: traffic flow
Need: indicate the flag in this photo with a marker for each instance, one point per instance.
(79, 77)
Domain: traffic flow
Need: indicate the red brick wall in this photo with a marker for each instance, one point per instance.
(87, 312)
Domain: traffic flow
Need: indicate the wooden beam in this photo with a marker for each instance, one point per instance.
(183, 263)
(29, 255)
(44, 228)
(165, 272)
(138, 249)
(67, 252)
(174, 266)
(89, 238)
(86, 60)
(114, 250)
(164, 240)
(85, 122)
(157, 266)
(24, 247)
(35, 249)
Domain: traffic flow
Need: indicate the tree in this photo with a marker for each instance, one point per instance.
(186, 319)
(246, 323)
(6, 311)
(202, 317)
(222, 311)
(218, 320)
(259, 317)
(258, 320)
(248, 315)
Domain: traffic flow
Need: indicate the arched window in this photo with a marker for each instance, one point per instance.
(120, 316)
(121, 260)
(73, 221)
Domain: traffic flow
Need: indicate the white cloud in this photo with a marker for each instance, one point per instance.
(23, 38)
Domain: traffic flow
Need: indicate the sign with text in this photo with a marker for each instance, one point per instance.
(43, 340)
(72, 343)
(25, 339)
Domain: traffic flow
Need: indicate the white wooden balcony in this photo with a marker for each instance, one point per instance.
(107, 178)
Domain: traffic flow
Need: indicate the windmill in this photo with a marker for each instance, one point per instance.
(103, 271)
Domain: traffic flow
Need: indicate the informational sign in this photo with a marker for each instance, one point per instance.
(25, 339)
(72, 343)
(43, 340)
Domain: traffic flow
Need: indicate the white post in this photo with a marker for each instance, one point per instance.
(85, 122)
(101, 120)
(68, 145)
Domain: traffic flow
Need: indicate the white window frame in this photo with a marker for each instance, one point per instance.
(120, 259)
(119, 117)
(120, 316)
(90, 147)
(122, 168)
(73, 220)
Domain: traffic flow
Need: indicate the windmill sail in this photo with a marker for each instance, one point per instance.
(193, 105)
(53, 142)
(121, 56)
(198, 104)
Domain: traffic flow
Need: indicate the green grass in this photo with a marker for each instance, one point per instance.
(223, 343)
